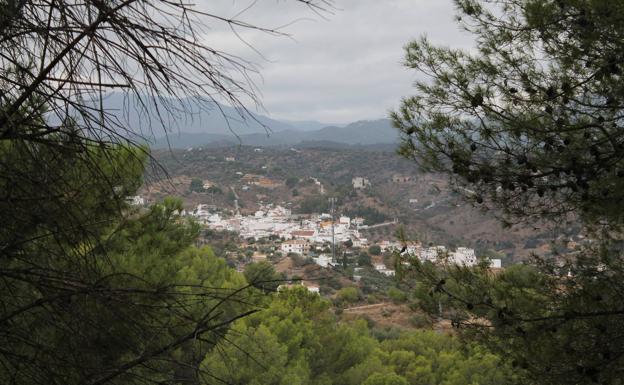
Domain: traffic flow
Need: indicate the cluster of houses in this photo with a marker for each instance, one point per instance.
(298, 234)
(276, 221)
(462, 256)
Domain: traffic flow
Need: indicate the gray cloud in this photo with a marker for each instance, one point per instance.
(338, 68)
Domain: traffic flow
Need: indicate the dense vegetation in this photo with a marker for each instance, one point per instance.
(530, 124)
(93, 291)
(296, 340)
(137, 282)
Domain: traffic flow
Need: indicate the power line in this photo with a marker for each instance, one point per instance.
(333, 200)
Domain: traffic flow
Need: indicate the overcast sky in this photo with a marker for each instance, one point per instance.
(339, 68)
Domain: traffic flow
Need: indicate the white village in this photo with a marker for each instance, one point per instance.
(300, 234)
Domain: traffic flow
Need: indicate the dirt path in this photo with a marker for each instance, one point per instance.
(368, 307)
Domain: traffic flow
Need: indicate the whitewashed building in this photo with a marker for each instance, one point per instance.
(310, 287)
(135, 200)
(389, 246)
(433, 254)
(360, 183)
(380, 267)
(496, 263)
(463, 256)
(323, 260)
(298, 246)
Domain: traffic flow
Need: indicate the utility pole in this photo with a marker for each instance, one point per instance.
(332, 200)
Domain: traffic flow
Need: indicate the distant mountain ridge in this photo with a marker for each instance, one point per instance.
(362, 133)
(191, 125)
(186, 115)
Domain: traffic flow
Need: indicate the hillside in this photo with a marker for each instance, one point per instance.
(423, 203)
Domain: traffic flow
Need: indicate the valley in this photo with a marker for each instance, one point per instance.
(303, 178)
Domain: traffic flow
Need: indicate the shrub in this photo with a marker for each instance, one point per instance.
(348, 294)
(197, 185)
(420, 320)
(373, 298)
(374, 250)
(292, 181)
(397, 295)
(364, 259)
(297, 259)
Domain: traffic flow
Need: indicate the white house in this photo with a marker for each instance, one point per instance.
(323, 260)
(433, 254)
(311, 287)
(358, 241)
(379, 266)
(389, 246)
(298, 246)
(136, 200)
(414, 248)
(463, 256)
(360, 183)
(495, 263)
(357, 221)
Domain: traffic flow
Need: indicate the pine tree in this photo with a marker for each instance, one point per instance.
(529, 123)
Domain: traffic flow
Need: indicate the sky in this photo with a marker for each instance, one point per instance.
(341, 66)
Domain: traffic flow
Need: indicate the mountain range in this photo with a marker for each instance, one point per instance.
(359, 133)
(191, 125)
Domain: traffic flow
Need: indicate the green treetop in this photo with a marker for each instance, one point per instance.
(297, 340)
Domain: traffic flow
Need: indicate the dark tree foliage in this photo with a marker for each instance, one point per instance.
(364, 259)
(530, 123)
(197, 185)
(292, 181)
(374, 250)
(263, 276)
(92, 292)
(556, 323)
(314, 204)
